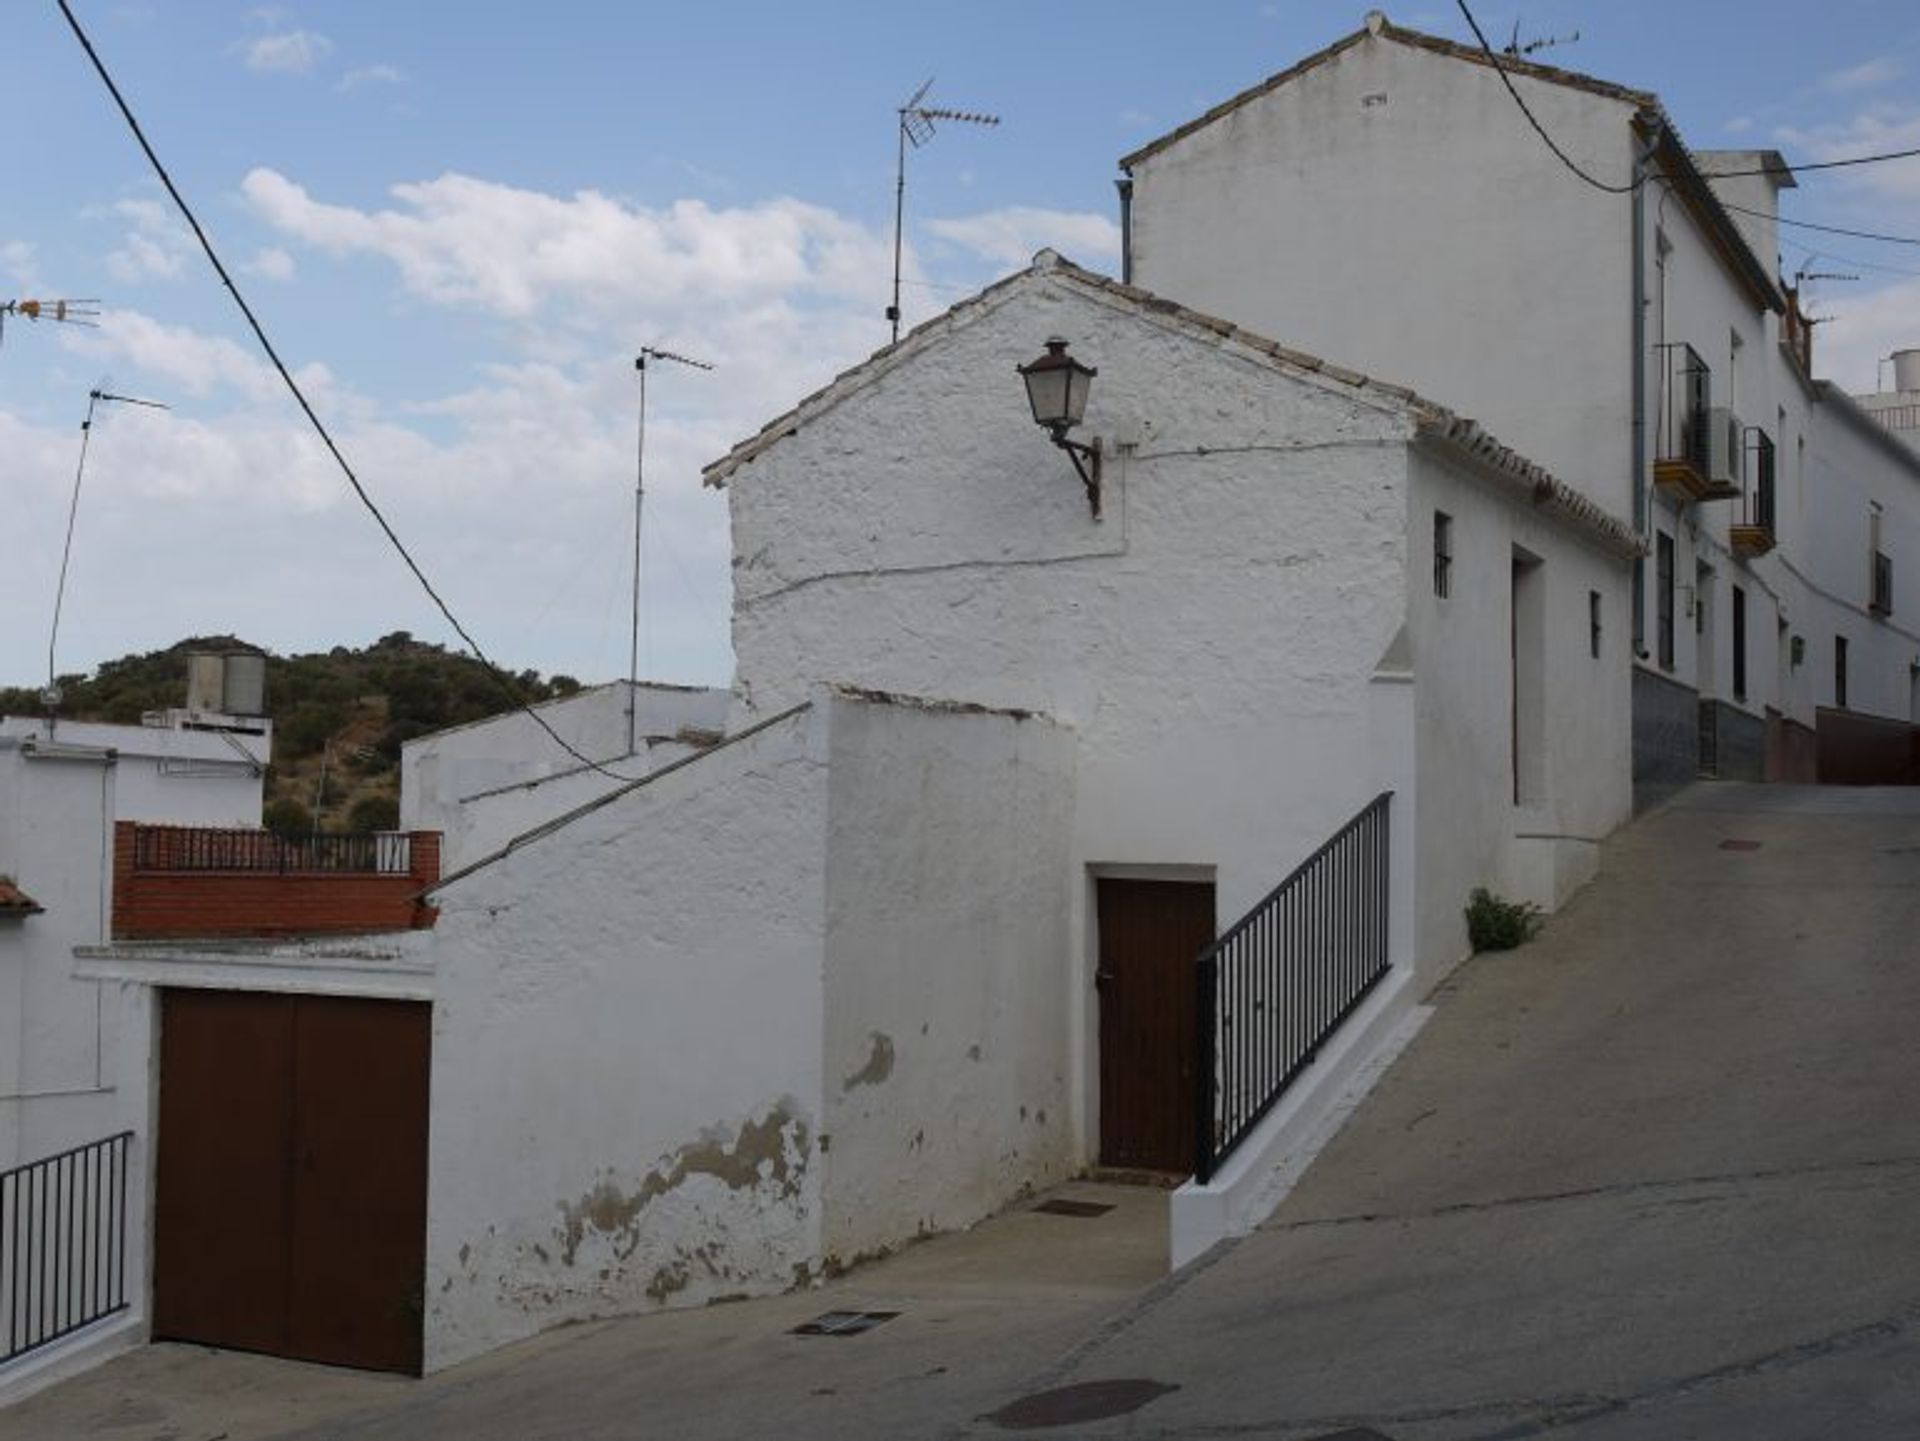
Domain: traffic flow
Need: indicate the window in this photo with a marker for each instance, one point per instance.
(1442, 554)
(1593, 624)
(1663, 598)
(1840, 671)
(1739, 643)
(1880, 578)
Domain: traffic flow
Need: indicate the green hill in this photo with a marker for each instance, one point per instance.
(341, 713)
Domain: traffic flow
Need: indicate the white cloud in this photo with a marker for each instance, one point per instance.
(1869, 322)
(1868, 75)
(272, 263)
(292, 52)
(372, 75)
(460, 241)
(1739, 125)
(1012, 235)
(17, 264)
(155, 249)
(1873, 131)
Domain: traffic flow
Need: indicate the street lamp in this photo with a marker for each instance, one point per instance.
(1057, 387)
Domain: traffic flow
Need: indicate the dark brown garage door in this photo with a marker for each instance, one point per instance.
(290, 1214)
(1150, 934)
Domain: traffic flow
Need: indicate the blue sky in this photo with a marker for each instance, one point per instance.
(461, 221)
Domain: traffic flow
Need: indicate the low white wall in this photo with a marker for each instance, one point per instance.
(947, 1018)
(626, 1064)
(481, 784)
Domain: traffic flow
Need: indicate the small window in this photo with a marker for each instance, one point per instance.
(1442, 554)
(1739, 643)
(1663, 598)
(1593, 624)
(1840, 672)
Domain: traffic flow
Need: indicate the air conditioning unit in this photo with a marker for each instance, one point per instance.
(1726, 448)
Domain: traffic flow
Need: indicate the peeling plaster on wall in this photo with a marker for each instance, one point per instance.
(879, 1064)
(771, 1152)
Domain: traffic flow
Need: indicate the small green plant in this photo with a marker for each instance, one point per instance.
(1494, 924)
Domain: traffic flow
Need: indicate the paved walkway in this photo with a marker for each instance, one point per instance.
(1655, 1175)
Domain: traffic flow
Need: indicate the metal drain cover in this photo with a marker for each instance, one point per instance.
(1061, 1206)
(1070, 1405)
(843, 1323)
(1734, 845)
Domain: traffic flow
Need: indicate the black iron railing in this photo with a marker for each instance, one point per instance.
(1686, 399)
(201, 848)
(1756, 501)
(63, 1244)
(1272, 989)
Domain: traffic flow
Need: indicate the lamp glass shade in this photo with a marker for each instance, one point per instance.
(1057, 387)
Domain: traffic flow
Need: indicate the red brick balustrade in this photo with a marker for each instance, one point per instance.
(198, 881)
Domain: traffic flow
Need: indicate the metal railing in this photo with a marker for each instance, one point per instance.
(1686, 400)
(1756, 500)
(1271, 990)
(201, 848)
(63, 1244)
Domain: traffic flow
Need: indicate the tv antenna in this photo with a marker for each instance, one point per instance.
(1519, 51)
(95, 398)
(61, 312)
(916, 128)
(647, 352)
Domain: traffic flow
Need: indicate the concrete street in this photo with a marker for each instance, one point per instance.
(1656, 1174)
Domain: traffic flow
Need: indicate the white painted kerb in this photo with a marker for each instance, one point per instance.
(1265, 1166)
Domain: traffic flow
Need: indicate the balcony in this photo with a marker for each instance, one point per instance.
(1752, 532)
(181, 881)
(1683, 443)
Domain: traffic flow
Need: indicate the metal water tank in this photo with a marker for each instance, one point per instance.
(245, 692)
(1906, 370)
(206, 681)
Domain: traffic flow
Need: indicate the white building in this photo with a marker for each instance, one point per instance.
(919, 934)
(62, 786)
(1386, 202)
(1899, 409)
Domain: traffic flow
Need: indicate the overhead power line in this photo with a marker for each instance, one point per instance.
(313, 417)
(1493, 59)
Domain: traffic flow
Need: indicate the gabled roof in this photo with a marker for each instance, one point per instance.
(1378, 25)
(15, 902)
(1431, 421)
(1649, 116)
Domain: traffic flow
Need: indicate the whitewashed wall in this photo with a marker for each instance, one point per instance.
(1210, 640)
(626, 1062)
(1384, 209)
(1471, 832)
(948, 1008)
(1853, 464)
(481, 784)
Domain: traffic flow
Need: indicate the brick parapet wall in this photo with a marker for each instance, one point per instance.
(162, 903)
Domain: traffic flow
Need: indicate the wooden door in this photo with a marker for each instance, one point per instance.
(290, 1210)
(1150, 934)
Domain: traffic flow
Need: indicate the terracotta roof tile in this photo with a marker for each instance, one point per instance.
(16, 902)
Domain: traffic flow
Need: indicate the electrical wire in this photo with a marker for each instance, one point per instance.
(1611, 189)
(1826, 229)
(1538, 128)
(313, 417)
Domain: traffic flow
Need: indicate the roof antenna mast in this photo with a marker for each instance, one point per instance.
(63, 312)
(51, 695)
(647, 352)
(916, 128)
